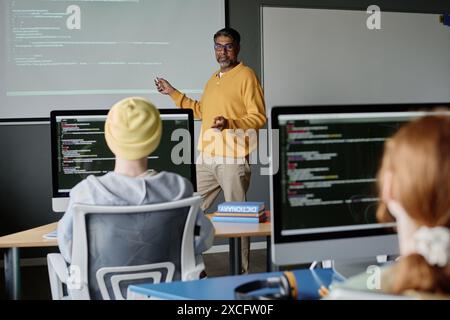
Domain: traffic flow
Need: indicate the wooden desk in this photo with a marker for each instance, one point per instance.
(34, 238)
(234, 231)
(30, 238)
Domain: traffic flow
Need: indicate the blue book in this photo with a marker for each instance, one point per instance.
(234, 214)
(240, 219)
(241, 207)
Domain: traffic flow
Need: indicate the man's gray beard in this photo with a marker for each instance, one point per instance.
(225, 64)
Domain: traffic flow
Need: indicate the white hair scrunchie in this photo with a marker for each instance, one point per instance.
(434, 245)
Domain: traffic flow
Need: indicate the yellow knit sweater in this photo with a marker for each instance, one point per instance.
(237, 96)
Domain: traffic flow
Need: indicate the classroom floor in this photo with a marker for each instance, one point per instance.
(35, 284)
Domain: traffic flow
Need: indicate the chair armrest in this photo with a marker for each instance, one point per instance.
(194, 274)
(59, 265)
(58, 274)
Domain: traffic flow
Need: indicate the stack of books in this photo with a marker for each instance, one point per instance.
(253, 212)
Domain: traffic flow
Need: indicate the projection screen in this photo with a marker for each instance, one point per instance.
(61, 54)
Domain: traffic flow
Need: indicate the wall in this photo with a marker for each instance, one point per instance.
(245, 17)
(330, 57)
(25, 179)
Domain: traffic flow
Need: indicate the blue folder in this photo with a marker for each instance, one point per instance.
(222, 288)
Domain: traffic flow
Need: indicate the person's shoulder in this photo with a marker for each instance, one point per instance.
(246, 69)
(175, 177)
(85, 186)
(175, 180)
(247, 73)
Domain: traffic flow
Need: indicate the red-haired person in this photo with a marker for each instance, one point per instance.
(414, 189)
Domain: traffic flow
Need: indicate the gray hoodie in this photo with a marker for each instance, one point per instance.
(119, 190)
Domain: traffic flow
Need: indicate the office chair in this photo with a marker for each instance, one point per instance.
(114, 246)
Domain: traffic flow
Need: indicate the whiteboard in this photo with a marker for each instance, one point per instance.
(59, 54)
(316, 56)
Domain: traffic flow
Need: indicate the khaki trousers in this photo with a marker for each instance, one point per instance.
(215, 175)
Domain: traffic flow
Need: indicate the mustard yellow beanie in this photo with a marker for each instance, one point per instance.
(133, 128)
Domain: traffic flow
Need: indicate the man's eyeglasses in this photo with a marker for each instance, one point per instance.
(226, 47)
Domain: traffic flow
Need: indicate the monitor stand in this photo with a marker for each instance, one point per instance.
(60, 204)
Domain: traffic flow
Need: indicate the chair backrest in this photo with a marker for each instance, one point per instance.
(114, 246)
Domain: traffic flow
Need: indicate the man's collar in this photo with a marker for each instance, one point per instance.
(233, 70)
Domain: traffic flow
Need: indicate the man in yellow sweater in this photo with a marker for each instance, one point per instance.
(232, 109)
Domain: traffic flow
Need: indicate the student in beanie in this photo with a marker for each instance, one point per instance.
(133, 128)
(132, 131)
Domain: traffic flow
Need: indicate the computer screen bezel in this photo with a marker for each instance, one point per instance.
(103, 112)
(275, 181)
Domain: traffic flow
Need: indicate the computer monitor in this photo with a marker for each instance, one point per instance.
(79, 148)
(324, 194)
